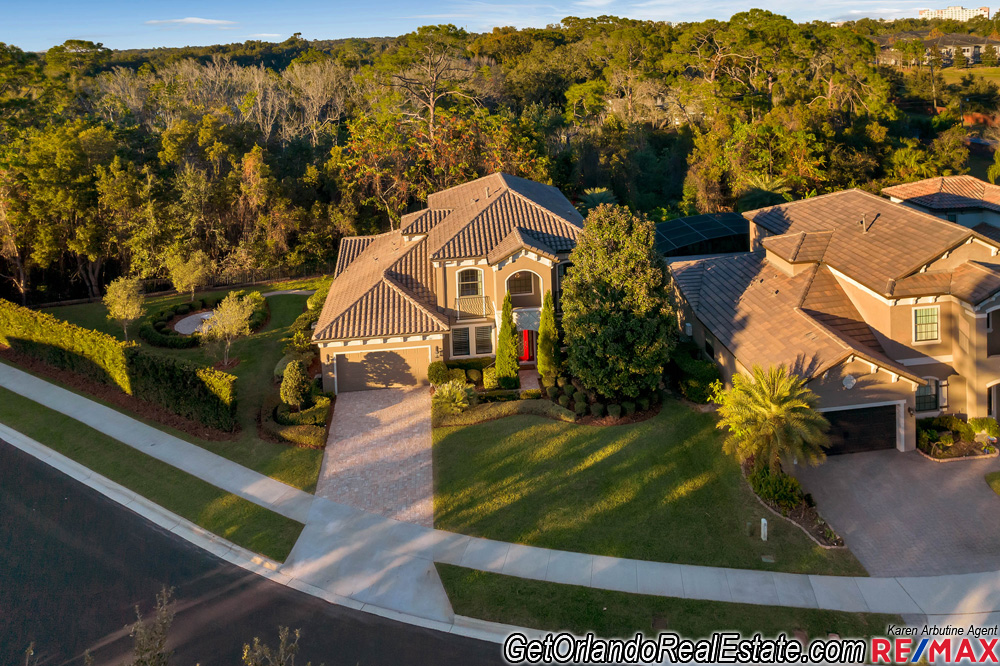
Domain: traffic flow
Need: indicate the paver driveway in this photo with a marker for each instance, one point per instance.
(378, 454)
(902, 514)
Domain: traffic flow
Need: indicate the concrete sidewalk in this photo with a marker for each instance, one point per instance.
(386, 563)
(221, 472)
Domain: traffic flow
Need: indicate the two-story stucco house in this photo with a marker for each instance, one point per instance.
(886, 311)
(433, 290)
(965, 200)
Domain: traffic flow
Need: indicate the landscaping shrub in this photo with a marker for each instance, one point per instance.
(198, 393)
(299, 343)
(614, 411)
(580, 396)
(531, 394)
(303, 322)
(986, 424)
(643, 404)
(159, 325)
(597, 409)
(548, 381)
(490, 379)
(561, 381)
(315, 415)
(295, 386)
(569, 390)
(580, 408)
(474, 375)
(564, 400)
(499, 395)
(166, 337)
(452, 397)
(182, 309)
(628, 407)
(946, 440)
(496, 410)
(315, 301)
(553, 392)
(437, 373)
(694, 374)
(456, 375)
(306, 436)
(472, 363)
(279, 367)
(923, 441)
(955, 424)
(782, 490)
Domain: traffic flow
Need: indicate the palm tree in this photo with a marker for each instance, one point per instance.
(772, 415)
(761, 190)
(593, 197)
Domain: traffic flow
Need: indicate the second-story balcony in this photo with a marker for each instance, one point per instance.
(473, 307)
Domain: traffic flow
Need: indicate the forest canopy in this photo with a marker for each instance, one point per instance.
(264, 155)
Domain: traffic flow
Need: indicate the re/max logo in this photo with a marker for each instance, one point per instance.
(937, 650)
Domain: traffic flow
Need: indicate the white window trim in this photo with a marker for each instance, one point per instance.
(913, 324)
(458, 282)
(472, 340)
(506, 283)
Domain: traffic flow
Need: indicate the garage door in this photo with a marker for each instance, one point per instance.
(856, 430)
(394, 368)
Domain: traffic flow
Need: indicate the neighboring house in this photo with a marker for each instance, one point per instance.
(971, 46)
(887, 312)
(433, 290)
(965, 200)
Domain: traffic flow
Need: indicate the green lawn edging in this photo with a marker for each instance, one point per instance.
(557, 607)
(229, 516)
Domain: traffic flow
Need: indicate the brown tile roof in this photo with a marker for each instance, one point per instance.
(759, 314)
(893, 241)
(384, 285)
(382, 292)
(350, 248)
(801, 246)
(975, 281)
(519, 238)
(422, 221)
(948, 193)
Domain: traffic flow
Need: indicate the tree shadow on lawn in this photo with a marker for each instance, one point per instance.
(657, 490)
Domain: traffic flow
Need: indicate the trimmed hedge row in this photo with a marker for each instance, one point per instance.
(157, 332)
(194, 392)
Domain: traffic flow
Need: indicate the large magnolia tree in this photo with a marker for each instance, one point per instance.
(617, 316)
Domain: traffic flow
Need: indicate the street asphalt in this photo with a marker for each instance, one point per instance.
(73, 565)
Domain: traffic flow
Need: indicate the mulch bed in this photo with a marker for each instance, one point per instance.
(960, 449)
(233, 362)
(804, 515)
(624, 419)
(114, 396)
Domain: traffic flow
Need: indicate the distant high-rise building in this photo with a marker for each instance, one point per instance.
(955, 12)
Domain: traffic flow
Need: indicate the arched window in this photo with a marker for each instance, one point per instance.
(521, 283)
(470, 282)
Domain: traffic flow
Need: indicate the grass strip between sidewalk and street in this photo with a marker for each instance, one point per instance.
(556, 607)
(229, 516)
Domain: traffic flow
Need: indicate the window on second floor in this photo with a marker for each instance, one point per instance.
(470, 282)
(520, 284)
(926, 327)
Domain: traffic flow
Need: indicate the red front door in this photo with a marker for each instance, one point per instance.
(527, 353)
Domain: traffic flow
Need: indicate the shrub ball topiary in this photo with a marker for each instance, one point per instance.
(490, 379)
(580, 408)
(564, 400)
(553, 392)
(629, 407)
(561, 381)
(569, 390)
(643, 404)
(473, 375)
(182, 309)
(295, 385)
(456, 375)
(614, 411)
(579, 397)
(437, 373)
(597, 409)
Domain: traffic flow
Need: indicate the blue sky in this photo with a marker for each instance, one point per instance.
(35, 25)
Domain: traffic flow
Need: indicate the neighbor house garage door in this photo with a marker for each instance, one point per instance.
(867, 429)
(391, 368)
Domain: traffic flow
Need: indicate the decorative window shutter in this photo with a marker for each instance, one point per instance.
(943, 393)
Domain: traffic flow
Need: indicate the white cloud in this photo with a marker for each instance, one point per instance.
(265, 34)
(190, 20)
(593, 3)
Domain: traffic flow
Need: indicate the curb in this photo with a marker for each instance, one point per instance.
(232, 553)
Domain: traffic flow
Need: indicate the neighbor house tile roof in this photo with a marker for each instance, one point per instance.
(948, 193)
(384, 285)
(765, 317)
(864, 236)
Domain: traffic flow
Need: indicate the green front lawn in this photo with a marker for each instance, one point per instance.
(218, 511)
(658, 490)
(258, 355)
(555, 607)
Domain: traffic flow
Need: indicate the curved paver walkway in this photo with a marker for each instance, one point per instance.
(389, 564)
(193, 323)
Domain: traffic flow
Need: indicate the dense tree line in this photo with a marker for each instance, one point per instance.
(264, 155)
